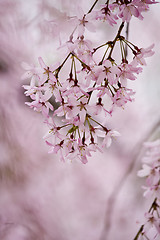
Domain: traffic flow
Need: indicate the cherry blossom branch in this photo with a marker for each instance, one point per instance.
(94, 4)
(116, 38)
(73, 93)
(62, 64)
(153, 207)
(117, 189)
(82, 62)
(151, 170)
(104, 56)
(107, 43)
(139, 232)
(127, 34)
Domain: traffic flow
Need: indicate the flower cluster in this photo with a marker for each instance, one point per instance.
(123, 9)
(151, 171)
(91, 90)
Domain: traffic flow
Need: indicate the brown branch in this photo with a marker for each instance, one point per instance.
(92, 6)
(127, 34)
(116, 38)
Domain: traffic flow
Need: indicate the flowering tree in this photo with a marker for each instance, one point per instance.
(79, 94)
(91, 87)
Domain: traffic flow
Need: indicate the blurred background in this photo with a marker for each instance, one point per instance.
(40, 197)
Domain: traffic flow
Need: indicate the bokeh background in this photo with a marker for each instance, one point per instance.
(40, 197)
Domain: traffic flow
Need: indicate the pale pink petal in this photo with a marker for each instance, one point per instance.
(41, 62)
(145, 171)
(27, 75)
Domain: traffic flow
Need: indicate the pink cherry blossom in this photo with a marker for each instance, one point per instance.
(41, 104)
(151, 169)
(127, 72)
(108, 137)
(84, 22)
(122, 96)
(142, 53)
(129, 10)
(85, 88)
(106, 14)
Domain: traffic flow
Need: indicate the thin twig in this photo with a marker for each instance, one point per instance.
(127, 35)
(116, 38)
(92, 6)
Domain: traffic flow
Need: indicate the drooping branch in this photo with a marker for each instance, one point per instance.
(111, 202)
